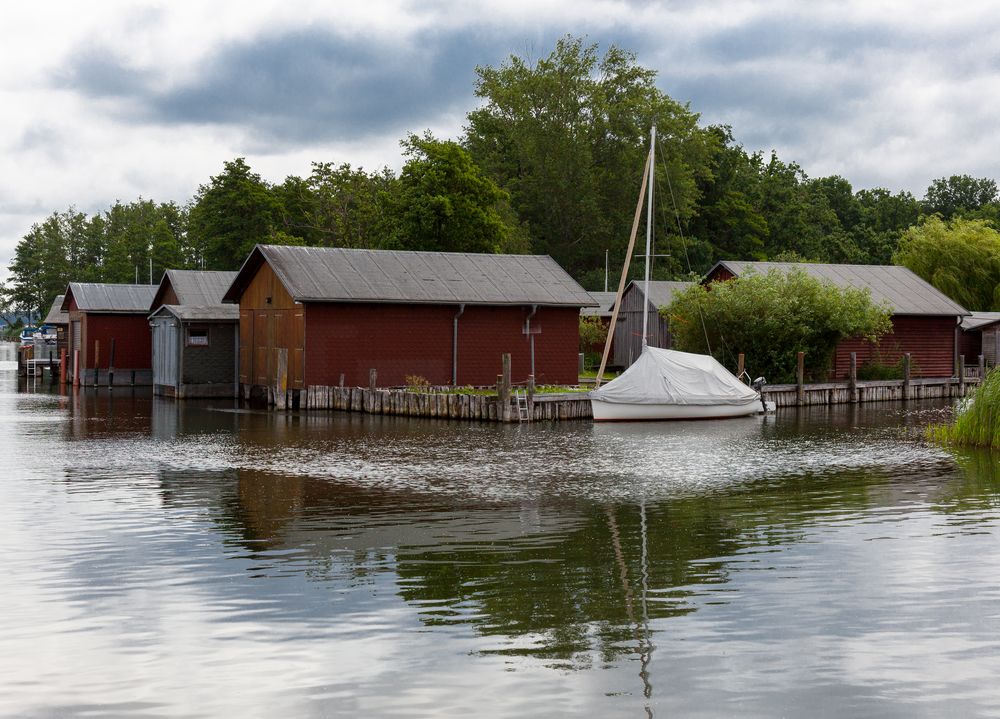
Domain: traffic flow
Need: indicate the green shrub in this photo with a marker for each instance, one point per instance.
(770, 318)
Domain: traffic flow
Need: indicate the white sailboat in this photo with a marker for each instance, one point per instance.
(666, 384)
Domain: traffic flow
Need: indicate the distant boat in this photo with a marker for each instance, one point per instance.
(666, 384)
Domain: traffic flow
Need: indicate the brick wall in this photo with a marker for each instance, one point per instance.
(133, 345)
(401, 340)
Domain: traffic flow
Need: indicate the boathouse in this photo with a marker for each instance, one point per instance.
(58, 318)
(197, 288)
(980, 335)
(194, 336)
(108, 329)
(628, 329)
(925, 321)
(318, 316)
(195, 350)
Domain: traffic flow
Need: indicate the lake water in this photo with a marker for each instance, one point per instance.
(200, 561)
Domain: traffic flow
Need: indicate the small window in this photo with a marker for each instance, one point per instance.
(197, 337)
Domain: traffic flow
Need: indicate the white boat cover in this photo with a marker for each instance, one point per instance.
(670, 377)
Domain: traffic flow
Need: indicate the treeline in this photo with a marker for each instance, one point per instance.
(550, 162)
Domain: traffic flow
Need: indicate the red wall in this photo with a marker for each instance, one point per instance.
(929, 340)
(133, 340)
(401, 340)
(970, 344)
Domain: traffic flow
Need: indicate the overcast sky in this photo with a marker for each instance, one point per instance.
(113, 100)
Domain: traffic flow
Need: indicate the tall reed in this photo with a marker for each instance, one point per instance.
(977, 422)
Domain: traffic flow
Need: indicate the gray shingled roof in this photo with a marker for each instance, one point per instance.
(108, 298)
(56, 315)
(201, 313)
(978, 320)
(604, 301)
(198, 287)
(323, 274)
(661, 292)
(901, 289)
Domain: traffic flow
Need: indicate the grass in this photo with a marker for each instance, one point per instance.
(977, 423)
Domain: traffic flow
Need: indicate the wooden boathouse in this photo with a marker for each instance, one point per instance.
(195, 337)
(108, 330)
(328, 316)
(628, 330)
(980, 335)
(59, 319)
(925, 321)
(197, 288)
(195, 350)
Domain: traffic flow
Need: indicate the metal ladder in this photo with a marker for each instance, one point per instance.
(521, 398)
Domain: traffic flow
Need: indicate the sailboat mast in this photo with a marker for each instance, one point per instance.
(649, 238)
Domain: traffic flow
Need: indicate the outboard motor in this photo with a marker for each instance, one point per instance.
(758, 386)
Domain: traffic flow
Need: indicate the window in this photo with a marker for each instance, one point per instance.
(197, 337)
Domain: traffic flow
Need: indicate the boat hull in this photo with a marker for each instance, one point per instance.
(619, 412)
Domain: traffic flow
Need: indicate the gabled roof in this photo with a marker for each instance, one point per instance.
(901, 289)
(200, 313)
(57, 315)
(108, 298)
(979, 320)
(661, 292)
(194, 287)
(604, 301)
(327, 274)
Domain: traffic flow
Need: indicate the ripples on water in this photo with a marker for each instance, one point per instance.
(206, 561)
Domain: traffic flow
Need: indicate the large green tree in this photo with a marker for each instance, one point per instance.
(567, 135)
(445, 202)
(961, 258)
(950, 196)
(234, 211)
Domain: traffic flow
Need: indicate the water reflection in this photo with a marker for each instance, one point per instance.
(337, 564)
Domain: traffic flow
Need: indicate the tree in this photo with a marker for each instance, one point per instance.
(351, 208)
(961, 258)
(446, 202)
(233, 212)
(790, 311)
(959, 193)
(566, 137)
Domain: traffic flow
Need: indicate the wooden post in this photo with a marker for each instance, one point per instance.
(503, 390)
(740, 364)
(906, 375)
(852, 379)
(281, 379)
(111, 365)
(97, 359)
(531, 397)
(341, 380)
(961, 375)
(76, 368)
(982, 369)
(800, 376)
(62, 366)
(372, 379)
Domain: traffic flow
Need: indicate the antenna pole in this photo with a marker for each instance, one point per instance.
(649, 238)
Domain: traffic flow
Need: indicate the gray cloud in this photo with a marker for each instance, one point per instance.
(302, 86)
